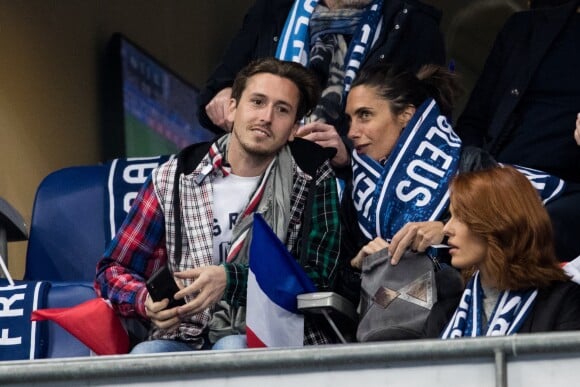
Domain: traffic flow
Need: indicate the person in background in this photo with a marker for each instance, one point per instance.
(501, 237)
(526, 100)
(340, 38)
(195, 218)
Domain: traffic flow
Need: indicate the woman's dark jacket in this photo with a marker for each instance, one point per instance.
(557, 308)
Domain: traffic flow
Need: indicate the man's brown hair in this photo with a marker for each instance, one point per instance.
(303, 78)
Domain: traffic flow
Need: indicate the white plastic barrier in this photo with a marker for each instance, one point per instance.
(522, 360)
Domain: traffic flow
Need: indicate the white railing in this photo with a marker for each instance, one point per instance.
(521, 360)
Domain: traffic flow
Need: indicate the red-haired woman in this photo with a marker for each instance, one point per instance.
(501, 234)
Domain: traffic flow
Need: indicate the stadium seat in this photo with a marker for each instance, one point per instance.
(67, 231)
(72, 222)
(67, 237)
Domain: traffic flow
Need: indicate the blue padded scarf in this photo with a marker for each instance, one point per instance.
(412, 185)
(509, 314)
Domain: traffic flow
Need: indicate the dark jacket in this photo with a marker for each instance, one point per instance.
(490, 114)
(410, 37)
(557, 308)
(518, 50)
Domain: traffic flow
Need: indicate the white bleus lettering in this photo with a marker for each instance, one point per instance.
(461, 315)
(425, 174)
(365, 187)
(299, 54)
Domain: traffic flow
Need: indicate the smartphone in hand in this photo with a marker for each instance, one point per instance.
(162, 285)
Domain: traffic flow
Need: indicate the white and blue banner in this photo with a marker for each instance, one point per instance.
(509, 313)
(21, 338)
(294, 42)
(126, 177)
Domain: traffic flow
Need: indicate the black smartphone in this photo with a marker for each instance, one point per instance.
(162, 285)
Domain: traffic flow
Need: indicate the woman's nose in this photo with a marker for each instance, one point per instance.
(352, 132)
(447, 228)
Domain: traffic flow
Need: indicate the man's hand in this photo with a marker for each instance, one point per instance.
(326, 136)
(416, 236)
(161, 317)
(372, 247)
(577, 131)
(217, 109)
(209, 284)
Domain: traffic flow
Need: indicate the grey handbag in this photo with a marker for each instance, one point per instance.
(395, 300)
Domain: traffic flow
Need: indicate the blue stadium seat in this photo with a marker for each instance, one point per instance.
(67, 238)
(69, 231)
(60, 343)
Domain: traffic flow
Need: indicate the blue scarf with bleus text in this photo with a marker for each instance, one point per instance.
(412, 185)
(509, 314)
(549, 187)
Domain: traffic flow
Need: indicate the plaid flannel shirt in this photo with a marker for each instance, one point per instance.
(141, 246)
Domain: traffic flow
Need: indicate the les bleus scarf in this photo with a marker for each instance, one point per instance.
(317, 37)
(509, 313)
(412, 185)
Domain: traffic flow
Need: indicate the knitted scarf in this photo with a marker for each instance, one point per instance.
(271, 199)
(509, 313)
(316, 36)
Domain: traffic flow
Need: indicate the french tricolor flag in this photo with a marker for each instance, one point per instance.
(274, 281)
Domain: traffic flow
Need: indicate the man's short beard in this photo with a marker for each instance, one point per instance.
(258, 153)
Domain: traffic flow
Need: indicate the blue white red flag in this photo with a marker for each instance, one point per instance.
(275, 280)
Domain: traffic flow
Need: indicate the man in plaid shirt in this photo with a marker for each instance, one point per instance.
(197, 218)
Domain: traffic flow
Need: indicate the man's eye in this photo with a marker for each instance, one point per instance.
(282, 109)
(257, 101)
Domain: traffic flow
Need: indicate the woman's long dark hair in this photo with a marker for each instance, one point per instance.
(403, 88)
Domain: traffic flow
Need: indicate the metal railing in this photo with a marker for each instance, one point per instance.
(409, 363)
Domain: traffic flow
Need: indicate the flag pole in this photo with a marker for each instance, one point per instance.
(6, 272)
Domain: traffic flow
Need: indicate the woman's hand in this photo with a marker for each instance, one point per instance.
(372, 247)
(415, 236)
